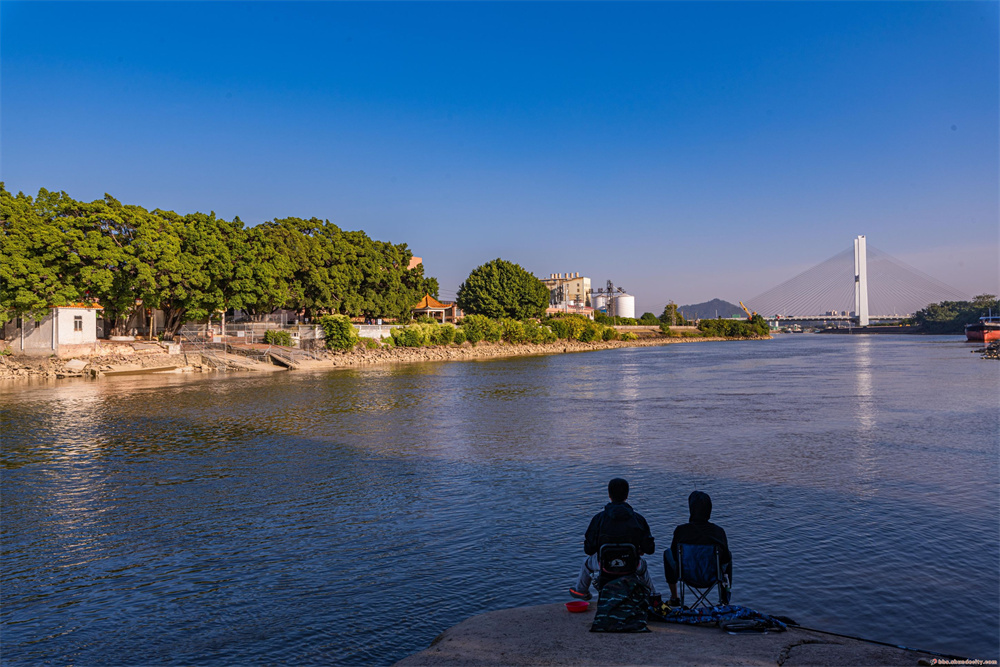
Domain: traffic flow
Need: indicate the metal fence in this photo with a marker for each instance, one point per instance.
(304, 336)
(253, 332)
(378, 331)
(221, 353)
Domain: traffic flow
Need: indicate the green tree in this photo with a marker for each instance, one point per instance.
(671, 317)
(200, 281)
(55, 251)
(122, 253)
(755, 328)
(36, 268)
(950, 317)
(503, 289)
(348, 272)
(429, 286)
(649, 318)
(388, 288)
(264, 278)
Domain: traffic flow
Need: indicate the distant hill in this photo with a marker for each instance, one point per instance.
(710, 309)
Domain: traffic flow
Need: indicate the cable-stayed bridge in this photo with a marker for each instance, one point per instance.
(860, 284)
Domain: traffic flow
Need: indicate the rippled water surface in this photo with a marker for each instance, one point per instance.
(349, 517)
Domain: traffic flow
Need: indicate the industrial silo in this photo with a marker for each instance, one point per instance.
(624, 305)
(599, 302)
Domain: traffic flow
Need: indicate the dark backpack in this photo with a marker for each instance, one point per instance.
(623, 606)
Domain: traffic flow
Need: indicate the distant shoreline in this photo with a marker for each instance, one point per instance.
(913, 330)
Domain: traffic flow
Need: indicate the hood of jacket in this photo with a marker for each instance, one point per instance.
(701, 507)
(618, 511)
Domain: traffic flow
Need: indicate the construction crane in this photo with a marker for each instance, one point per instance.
(750, 315)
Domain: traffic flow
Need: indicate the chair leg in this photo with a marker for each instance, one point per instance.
(701, 596)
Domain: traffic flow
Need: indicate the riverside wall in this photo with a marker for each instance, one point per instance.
(109, 358)
(465, 351)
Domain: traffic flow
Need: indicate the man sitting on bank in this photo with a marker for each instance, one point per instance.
(698, 530)
(617, 524)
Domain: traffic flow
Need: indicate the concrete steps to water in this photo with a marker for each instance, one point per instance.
(242, 363)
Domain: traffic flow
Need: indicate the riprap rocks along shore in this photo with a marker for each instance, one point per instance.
(153, 358)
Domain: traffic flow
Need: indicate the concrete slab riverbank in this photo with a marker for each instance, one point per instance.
(550, 635)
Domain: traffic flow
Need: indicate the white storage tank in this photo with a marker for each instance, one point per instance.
(599, 302)
(624, 305)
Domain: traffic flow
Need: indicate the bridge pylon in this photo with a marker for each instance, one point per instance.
(885, 288)
(861, 280)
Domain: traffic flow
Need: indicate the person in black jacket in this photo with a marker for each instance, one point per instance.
(699, 530)
(617, 524)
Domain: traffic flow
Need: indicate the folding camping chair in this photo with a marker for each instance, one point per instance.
(698, 569)
(617, 560)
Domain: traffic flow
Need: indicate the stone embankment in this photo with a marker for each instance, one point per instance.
(137, 357)
(465, 351)
(149, 357)
(550, 635)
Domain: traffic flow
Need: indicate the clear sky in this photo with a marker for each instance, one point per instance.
(685, 151)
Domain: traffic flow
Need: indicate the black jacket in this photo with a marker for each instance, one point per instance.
(699, 530)
(618, 524)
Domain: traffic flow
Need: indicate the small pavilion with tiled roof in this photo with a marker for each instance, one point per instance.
(443, 311)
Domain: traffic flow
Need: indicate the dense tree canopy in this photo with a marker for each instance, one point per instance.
(756, 327)
(950, 317)
(503, 289)
(55, 251)
(34, 255)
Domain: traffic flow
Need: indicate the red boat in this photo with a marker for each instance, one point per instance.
(986, 330)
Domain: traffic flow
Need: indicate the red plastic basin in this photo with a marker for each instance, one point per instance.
(576, 606)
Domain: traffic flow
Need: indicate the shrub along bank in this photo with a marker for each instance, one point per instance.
(278, 337)
(755, 328)
(340, 333)
(720, 328)
(479, 328)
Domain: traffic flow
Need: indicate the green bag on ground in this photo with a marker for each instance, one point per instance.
(622, 606)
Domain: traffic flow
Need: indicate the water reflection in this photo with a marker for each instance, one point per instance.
(866, 456)
(627, 403)
(284, 518)
(863, 383)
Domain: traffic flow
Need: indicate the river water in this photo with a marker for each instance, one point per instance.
(348, 517)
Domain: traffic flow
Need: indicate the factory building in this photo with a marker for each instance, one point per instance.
(568, 289)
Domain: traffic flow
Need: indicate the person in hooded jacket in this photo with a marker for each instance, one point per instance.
(617, 524)
(698, 530)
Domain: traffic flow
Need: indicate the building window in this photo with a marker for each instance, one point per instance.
(78, 323)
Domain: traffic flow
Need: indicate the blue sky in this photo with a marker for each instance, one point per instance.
(684, 150)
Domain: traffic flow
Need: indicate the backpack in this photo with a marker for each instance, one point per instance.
(623, 606)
